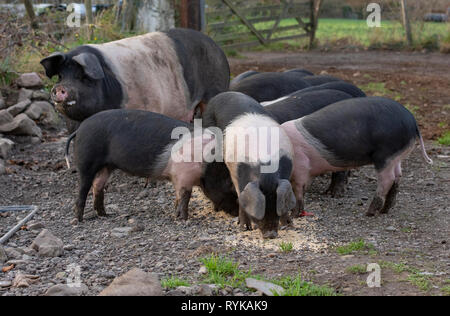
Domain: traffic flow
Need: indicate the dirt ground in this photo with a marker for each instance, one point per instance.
(413, 236)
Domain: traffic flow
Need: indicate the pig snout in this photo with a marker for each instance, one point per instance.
(59, 94)
(271, 234)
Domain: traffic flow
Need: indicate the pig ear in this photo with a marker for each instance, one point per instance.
(252, 200)
(285, 198)
(52, 63)
(91, 65)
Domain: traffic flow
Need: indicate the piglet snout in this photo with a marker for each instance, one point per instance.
(59, 94)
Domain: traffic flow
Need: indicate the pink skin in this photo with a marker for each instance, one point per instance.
(308, 163)
(59, 94)
(186, 174)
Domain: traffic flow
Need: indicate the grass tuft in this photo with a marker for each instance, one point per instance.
(173, 282)
(295, 286)
(286, 247)
(445, 139)
(355, 246)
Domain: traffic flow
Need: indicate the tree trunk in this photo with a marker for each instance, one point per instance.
(89, 18)
(30, 12)
(406, 23)
(128, 15)
(314, 20)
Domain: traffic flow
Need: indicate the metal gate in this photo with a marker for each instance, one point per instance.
(240, 23)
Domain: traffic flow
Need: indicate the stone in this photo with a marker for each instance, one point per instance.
(29, 80)
(5, 117)
(24, 280)
(19, 107)
(48, 245)
(134, 283)
(203, 270)
(67, 290)
(391, 229)
(35, 226)
(3, 255)
(24, 94)
(206, 289)
(265, 287)
(13, 253)
(21, 125)
(2, 167)
(120, 232)
(5, 147)
(5, 283)
(48, 117)
(34, 112)
(2, 103)
(40, 95)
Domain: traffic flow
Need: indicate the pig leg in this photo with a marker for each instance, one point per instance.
(338, 182)
(199, 110)
(386, 178)
(392, 194)
(182, 202)
(85, 186)
(299, 185)
(244, 221)
(98, 189)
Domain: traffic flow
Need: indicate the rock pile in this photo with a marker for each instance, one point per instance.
(22, 118)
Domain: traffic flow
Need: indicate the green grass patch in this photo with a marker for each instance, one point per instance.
(355, 246)
(296, 286)
(223, 271)
(446, 290)
(396, 267)
(415, 277)
(173, 282)
(348, 32)
(376, 88)
(357, 269)
(286, 247)
(445, 139)
(421, 281)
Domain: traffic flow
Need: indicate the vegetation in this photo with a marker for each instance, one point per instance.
(353, 247)
(295, 286)
(286, 246)
(445, 139)
(333, 33)
(224, 272)
(357, 269)
(173, 282)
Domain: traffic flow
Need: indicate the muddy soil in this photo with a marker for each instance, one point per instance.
(415, 233)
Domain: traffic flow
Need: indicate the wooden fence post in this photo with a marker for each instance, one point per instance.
(406, 23)
(192, 14)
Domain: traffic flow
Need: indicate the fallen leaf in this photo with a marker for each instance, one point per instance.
(8, 268)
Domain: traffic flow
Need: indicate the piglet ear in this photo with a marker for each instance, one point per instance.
(252, 200)
(53, 63)
(91, 65)
(285, 198)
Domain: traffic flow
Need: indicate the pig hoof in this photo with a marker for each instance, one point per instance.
(102, 213)
(370, 214)
(182, 215)
(285, 220)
